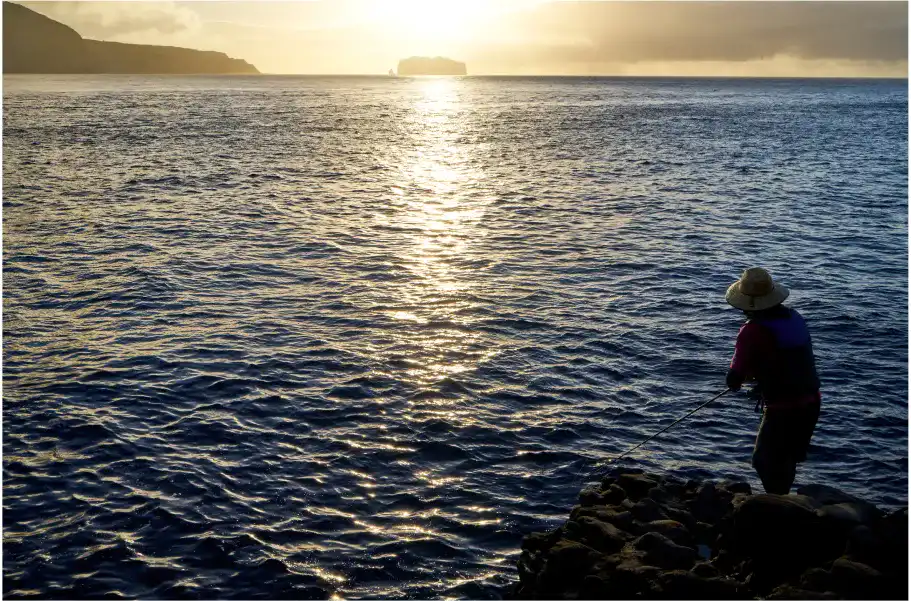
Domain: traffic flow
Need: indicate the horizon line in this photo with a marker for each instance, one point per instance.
(476, 75)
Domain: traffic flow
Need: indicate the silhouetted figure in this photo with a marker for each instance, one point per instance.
(774, 349)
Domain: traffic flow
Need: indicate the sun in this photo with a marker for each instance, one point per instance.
(437, 19)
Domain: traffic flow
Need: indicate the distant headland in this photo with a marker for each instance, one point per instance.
(33, 43)
(423, 65)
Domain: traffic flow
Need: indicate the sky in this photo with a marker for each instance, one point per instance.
(787, 38)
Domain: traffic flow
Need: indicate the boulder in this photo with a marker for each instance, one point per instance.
(658, 550)
(826, 495)
(675, 531)
(571, 556)
(631, 579)
(849, 514)
(599, 583)
(632, 564)
(638, 535)
(672, 480)
(567, 562)
(782, 535)
(572, 531)
(621, 519)
(788, 591)
(613, 494)
(763, 515)
(674, 487)
(528, 568)
(856, 580)
(578, 510)
(737, 487)
(891, 533)
(636, 485)
(725, 561)
(538, 541)
(709, 504)
(658, 494)
(805, 500)
(705, 533)
(596, 586)
(738, 498)
(706, 493)
(602, 536)
(682, 516)
(899, 517)
(679, 584)
(704, 569)
(590, 496)
(608, 563)
(647, 510)
(862, 545)
(816, 579)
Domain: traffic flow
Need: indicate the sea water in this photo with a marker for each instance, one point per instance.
(301, 337)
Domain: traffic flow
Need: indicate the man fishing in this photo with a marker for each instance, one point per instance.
(774, 349)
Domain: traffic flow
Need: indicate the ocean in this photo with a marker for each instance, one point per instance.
(274, 337)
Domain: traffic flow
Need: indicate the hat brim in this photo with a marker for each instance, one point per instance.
(738, 299)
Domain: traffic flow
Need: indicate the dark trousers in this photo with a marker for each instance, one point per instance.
(782, 442)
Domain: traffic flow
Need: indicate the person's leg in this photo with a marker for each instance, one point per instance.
(808, 418)
(777, 478)
(771, 460)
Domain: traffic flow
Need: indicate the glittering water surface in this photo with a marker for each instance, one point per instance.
(296, 337)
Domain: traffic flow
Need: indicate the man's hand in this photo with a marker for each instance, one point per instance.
(734, 380)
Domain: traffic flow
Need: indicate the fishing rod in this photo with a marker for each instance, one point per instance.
(662, 430)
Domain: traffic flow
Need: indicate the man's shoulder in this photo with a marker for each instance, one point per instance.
(753, 331)
(750, 328)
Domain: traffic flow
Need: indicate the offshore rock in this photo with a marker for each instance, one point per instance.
(643, 536)
(424, 65)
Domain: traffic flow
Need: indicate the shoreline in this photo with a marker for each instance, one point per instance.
(641, 535)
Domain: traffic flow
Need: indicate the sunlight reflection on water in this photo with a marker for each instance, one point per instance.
(442, 218)
(357, 336)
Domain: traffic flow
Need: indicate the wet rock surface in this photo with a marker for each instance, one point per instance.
(653, 537)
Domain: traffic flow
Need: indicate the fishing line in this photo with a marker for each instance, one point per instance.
(661, 431)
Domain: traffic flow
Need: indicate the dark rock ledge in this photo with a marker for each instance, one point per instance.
(656, 537)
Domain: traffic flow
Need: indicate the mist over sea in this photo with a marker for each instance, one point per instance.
(297, 336)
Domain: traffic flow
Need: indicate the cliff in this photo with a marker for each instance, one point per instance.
(422, 65)
(646, 536)
(33, 43)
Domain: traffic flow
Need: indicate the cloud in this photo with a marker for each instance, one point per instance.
(661, 37)
(715, 31)
(119, 20)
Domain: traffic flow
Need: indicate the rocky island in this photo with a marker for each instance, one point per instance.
(422, 65)
(33, 43)
(646, 536)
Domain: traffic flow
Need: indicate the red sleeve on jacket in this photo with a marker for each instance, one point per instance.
(752, 345)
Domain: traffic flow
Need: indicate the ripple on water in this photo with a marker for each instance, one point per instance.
(356, 337)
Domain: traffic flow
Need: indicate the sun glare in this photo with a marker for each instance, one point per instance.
(457, 19)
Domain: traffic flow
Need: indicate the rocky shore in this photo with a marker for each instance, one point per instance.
(647, 536)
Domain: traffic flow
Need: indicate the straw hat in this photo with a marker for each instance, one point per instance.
(755, 291)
